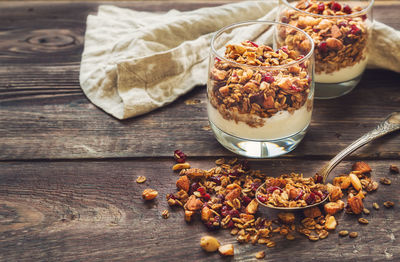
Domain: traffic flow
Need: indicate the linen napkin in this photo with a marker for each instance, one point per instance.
(134, 62)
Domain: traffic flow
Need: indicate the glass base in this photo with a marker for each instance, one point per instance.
(334, 90)
(258, 148)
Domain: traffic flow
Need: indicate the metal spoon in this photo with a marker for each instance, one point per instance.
(390, 124)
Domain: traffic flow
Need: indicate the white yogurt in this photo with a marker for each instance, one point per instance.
(344, 74)
(282, 124)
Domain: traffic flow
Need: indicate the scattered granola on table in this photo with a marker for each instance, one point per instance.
(225, 197)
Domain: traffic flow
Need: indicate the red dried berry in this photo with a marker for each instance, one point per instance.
(336, 6)
(206, 197)
(321, 7)
(262, 199)
(217, 59)
(253, 44)
(364, 17)
(267, 77)
(255, 186)
(179, 156)
(347, 9)
(202, 191)
(343, 23)
(295, 88)
(354, 30)
(224, 211)
(323, 47)
(271, 189)
(318, 179)
(246, 200)
(285, 49)
(299, 196)
(234, 213)
(310, 199)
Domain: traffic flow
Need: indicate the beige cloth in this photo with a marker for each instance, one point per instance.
(134, 62)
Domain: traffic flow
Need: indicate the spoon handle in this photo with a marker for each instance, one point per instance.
(390, 124)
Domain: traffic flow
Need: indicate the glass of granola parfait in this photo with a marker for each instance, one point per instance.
(341, 31)
(260, 87)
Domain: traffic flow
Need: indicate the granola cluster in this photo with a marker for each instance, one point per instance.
(340, 41)
(225, 197)
(252, 92)
(292, 190)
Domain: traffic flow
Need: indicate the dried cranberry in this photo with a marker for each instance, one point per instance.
(300, 195)
(323, 47)
(316, 30)
(354, 30)
(234, 173)
(347, 9)
(364, 17)
(318, 193)
(255, 186)
(321, 7)
(336, 6)
(216, 180)
(285, 49)
(230, 224)
(324, 194)
(253, 44)
(262, 199)
(271, 189)
(295, 88)
(267, 77)
(318, 179)
(206, 197)
(194, 186)
(285, 19)
(310, 199)
(217, 59)
(246, 200)
(225, 211)
(343, 23)
(179, 156)
(234, 213)
(202, 191)
(170, 196)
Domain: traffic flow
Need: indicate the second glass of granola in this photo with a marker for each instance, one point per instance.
(260, 87)
(341, 32)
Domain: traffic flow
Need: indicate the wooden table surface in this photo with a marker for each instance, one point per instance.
(68, 170)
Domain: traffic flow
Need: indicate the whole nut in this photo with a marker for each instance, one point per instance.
(342, 181)
(226, 250)
(334, 44)
(356, 205)
(312, 212)
(252, 207)
(149, 194)
(183, 183)
(355, 181)
(330, 223)
(209, 244)
(287, 218)
(362, 167)
(332, 208)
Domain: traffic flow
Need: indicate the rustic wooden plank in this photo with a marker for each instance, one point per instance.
(92, 210)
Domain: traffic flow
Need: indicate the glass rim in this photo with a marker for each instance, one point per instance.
(223, 29)
(358, 13)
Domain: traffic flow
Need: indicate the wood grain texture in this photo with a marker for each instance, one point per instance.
(92, 211)
(44, 114)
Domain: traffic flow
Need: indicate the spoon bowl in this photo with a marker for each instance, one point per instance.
(390, 124)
